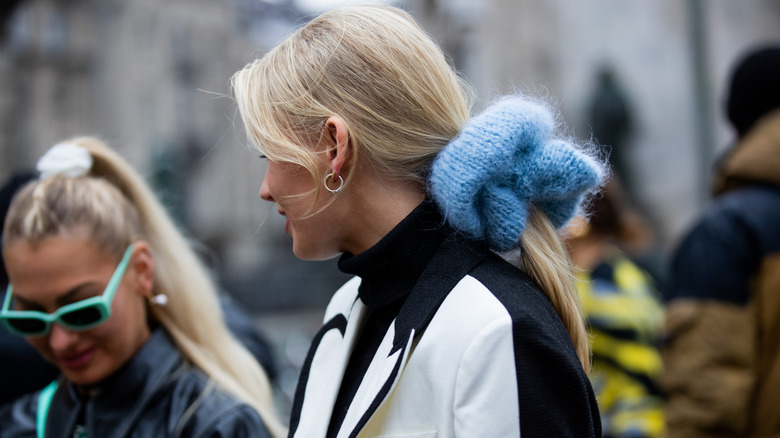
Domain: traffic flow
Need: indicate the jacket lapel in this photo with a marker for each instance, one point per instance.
(325, 364)
(379, 381)
(454, 260)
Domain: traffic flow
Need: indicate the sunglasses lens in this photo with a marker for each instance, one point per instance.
(82, 317)
(27, 325)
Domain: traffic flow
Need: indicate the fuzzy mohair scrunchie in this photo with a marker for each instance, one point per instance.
(502, 161)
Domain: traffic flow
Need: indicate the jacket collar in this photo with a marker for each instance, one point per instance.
(755, 160)
(115, 404)
(389, 269)
(456, 257)
(421, 259)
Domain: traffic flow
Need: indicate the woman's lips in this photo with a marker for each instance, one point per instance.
(78, 360)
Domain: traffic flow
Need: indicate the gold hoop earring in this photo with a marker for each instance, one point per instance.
(330, 177)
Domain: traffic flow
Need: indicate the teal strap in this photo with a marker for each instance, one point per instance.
(44, 401)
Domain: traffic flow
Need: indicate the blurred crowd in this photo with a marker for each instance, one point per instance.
(691, 351)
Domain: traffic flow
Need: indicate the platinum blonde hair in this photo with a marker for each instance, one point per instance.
(372, 66)
(116, 207)
(402, 103)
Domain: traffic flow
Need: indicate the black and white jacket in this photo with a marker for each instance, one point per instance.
(475, 349)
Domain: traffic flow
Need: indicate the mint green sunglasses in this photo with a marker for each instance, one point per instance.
(79, 316)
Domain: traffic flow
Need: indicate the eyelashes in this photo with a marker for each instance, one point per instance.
(262, 157)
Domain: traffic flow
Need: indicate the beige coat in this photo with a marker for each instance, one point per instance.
(722, 360)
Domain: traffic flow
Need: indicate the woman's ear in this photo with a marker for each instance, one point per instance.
(143, 264)
(339, 150)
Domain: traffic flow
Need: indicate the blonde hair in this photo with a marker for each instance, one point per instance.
(402, 103)
(116, 207)
(372, 66)
(548, 263)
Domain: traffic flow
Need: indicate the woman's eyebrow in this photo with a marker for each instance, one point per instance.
(25, 301)
(62, 300)
(67, 297)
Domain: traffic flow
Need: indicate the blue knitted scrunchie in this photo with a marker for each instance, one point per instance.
(503, 160)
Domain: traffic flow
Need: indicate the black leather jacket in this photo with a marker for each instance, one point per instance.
(156, 394)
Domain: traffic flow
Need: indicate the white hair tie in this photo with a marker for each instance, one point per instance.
(65, 159)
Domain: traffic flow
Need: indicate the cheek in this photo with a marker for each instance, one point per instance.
(291, 185)
(275, 188)
(129, 316)
(126, 327)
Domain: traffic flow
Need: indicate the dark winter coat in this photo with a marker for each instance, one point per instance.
(156, 394)
(722, 361)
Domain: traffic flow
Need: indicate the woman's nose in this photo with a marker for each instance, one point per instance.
(265, 194)
(60, 338)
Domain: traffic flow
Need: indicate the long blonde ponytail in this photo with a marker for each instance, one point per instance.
(548, 264)
(115, 202)
(193, 316)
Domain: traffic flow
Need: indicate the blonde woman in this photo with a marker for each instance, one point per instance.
(106, 288)
(373, 156)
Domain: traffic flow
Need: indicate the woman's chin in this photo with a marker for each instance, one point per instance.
(84, 372)
(311, 255)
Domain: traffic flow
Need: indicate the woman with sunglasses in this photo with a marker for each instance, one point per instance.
(372, 155)
(106, 288)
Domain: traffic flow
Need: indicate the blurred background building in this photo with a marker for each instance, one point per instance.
(151, 78)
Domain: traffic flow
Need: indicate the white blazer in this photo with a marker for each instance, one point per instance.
(452, 363)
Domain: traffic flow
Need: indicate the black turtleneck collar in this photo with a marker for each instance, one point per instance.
(391, 268)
